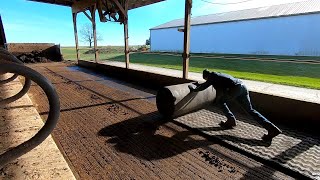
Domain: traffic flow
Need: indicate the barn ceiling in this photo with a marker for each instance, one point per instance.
(132, 3)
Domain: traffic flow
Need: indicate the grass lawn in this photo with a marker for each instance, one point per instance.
(69, 53)
(295, 74)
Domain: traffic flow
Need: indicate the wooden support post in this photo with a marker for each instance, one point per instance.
(3, 40)
(126, 35)
(93, 17)
(186, 43)
(74, 17)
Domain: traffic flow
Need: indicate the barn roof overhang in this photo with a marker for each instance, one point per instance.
(132, 3)
(120, 7)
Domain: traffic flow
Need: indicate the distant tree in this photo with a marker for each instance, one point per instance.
(86, 33)
(148, 41)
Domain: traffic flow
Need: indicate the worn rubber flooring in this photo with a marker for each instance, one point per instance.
(107, 132)
(294, 150)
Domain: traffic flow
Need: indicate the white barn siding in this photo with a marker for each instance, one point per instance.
(292, 35)
(166, 40)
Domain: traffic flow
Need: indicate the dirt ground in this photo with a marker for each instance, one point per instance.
(107, 133)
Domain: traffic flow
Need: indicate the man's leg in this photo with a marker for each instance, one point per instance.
(225, 99)
(244, 100)
(231, 120)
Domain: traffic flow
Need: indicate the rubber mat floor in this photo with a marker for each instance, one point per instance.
(297, 151)
(107, 132)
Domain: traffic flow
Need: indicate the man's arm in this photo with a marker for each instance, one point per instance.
(200, 87)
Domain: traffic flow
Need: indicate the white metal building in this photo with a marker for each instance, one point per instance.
(286, 29)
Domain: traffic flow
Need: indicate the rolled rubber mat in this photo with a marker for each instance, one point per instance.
(297, 151)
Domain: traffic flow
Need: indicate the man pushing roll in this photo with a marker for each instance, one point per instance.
(234, 89)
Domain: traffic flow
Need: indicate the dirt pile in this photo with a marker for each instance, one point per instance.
(33, 57)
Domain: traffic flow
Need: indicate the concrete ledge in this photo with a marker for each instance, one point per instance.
(290, 112)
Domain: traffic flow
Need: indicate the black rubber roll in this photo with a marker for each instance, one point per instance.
(176, 100)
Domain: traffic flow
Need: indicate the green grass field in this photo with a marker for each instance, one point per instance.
(288, 73)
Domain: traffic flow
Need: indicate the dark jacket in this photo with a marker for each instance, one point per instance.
(219, 81)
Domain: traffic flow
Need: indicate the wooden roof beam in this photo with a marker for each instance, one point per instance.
(122, 10)
(81, 6)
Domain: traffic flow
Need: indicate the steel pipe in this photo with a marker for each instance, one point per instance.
(53, 116)
(176, 100)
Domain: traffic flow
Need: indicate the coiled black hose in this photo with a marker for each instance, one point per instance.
(53, 116)
(5, 56)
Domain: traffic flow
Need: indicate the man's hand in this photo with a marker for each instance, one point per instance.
(192, 87)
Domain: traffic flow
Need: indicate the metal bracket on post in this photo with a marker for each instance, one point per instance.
(185, 55)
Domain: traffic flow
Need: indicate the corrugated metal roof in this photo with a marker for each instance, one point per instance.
(290, 9)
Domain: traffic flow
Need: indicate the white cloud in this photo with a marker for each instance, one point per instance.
(204, 8)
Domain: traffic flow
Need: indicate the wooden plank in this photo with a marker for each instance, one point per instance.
(3, 40)
(80, 6)
(74, 17)
(186, 43)
(126, 36)
(94, 27)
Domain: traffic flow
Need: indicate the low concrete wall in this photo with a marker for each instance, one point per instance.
(49, 50)
(287, 111)
(145, 79)
(291, 112)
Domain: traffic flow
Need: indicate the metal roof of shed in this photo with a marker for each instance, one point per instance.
(290, 9)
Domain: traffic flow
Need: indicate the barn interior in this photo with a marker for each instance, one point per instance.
(104, 122)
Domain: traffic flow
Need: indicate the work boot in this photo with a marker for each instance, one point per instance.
(229, 124)
(273, 132)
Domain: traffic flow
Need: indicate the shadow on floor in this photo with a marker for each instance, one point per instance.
(139, 137)
(134, 135)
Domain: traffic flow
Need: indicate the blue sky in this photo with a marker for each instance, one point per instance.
(26, 21)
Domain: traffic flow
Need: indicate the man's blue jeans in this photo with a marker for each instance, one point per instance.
(241, 95)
